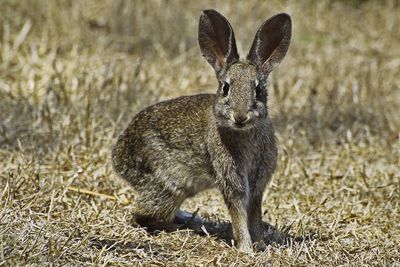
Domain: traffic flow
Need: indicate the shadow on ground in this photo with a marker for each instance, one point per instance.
(222, 230)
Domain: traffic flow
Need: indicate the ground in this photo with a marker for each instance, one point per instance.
(73, 73)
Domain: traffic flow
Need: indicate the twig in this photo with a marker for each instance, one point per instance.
(92, 193)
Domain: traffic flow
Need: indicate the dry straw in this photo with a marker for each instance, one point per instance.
(73, 73)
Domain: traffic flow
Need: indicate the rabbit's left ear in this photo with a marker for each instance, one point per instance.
(217, 40)
(271, 43)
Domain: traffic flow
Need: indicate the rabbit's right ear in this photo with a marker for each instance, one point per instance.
(217, 40)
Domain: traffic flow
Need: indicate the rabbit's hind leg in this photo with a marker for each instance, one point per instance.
(181, 220)
(154, 224)
(157, 211)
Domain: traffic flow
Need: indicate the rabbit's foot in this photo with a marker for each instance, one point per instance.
(259, 246)
(154, 225)
(186, 218)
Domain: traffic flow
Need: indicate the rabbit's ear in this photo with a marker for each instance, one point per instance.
(217, 40)
(271, 43)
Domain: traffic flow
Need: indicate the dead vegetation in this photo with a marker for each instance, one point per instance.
(73, 73)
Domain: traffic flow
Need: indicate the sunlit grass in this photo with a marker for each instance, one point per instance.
(73, 73)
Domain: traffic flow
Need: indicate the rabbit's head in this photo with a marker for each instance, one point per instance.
(241, 101)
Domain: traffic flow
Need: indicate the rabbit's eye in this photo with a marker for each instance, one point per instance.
(225, 89)
(258, 90)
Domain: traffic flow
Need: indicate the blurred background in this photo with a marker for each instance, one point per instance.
(107, 58)
(73, 74)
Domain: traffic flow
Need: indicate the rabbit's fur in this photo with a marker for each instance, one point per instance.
(177, 148)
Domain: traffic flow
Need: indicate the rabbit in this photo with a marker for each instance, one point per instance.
(176, 148)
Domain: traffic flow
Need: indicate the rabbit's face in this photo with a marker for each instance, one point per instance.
(241, 98)
(241, 101)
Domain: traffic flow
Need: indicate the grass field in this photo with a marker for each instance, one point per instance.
(73, 73)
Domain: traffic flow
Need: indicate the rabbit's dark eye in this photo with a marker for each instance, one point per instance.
(258, 91)
(225, 89)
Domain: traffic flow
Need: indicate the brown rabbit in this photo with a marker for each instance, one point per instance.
(177, 148)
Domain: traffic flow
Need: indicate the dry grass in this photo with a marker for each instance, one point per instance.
(72, 74)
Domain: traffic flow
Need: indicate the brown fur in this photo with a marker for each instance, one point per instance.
(177, 148)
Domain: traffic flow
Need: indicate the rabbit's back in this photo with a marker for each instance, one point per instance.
(164, 146)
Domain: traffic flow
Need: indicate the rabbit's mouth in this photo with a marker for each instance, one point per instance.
(236, 126)
(236, 123)
(242, 126)
(242, 122)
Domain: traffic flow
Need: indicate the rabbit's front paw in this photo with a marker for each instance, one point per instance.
(244, 246)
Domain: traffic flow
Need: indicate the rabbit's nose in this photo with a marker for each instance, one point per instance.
(240, 118)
